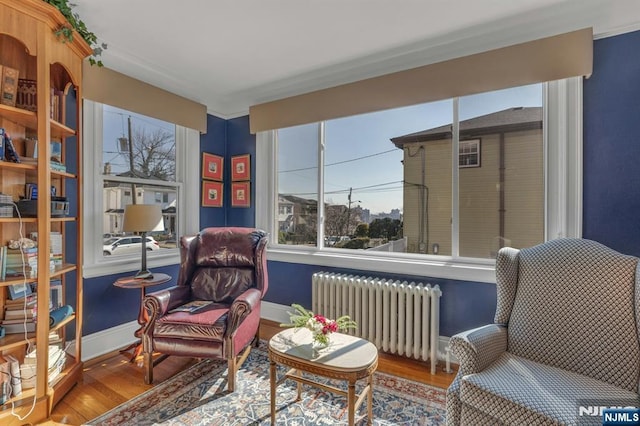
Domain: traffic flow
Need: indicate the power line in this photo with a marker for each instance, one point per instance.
(340, 162)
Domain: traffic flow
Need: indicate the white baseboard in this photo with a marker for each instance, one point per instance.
(105, 341)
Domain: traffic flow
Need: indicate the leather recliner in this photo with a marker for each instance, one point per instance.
(224, 265)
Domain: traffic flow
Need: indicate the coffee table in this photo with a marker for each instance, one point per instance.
(346, 358)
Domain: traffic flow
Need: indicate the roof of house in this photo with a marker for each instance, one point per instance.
(508, 120)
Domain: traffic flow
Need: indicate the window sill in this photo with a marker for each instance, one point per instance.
(121, 264)
(475, 270)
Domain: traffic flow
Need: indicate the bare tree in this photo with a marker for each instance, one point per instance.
(154, 154)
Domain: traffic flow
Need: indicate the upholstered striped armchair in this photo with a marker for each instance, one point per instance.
(566, 334)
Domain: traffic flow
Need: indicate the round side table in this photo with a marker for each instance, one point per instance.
(142, 284)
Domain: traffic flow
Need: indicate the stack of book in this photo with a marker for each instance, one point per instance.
(22, 262)
(57, 360)
(15, 263)
(20, 314)
(10, 381)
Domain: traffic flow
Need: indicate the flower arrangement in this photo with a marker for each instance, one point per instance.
(320, 326)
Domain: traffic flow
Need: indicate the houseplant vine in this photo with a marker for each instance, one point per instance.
(65, 33)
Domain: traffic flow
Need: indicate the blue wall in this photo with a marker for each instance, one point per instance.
(611, 198)
(214, 142)
(612, 144)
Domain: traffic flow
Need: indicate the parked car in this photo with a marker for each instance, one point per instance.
(128, 244)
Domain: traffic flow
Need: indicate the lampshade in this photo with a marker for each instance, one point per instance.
(142, 218)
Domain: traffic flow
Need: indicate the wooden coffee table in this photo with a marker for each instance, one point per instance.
(346, 358)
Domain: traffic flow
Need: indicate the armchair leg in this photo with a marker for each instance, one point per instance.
(234, 365)
(148, 368)
(231, 374)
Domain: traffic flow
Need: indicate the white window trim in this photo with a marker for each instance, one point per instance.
(187, 148)
(563, 171)
(470, 142)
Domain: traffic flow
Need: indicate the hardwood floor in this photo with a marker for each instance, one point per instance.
(111, 380)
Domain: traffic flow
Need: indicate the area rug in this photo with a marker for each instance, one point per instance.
(198, 396)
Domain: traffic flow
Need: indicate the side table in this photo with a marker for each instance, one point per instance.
(142, 284)
(346, 358)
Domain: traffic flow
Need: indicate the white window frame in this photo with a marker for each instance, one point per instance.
(188, 191)
(563, 200)
(470, 142)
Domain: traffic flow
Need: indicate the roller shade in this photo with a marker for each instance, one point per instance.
(547, 59)
(101, 84)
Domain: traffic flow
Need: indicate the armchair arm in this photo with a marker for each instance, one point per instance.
(241, 307)
(478, 348)
(160, 302)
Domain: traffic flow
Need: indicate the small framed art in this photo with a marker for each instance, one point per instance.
(212, 166)
(211, 194)
(241, 194)
(240, 167)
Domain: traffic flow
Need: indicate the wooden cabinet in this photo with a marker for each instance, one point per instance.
(28, 44)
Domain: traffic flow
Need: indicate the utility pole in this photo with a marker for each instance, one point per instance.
(349, 209)
(134, 196)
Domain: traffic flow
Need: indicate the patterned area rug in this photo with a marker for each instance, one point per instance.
(198, 396)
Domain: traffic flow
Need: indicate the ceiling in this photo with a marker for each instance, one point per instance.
(230, 54)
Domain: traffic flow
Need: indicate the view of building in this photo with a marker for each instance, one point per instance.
(501, 193)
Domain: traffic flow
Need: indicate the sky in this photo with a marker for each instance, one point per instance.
(115, 126)
(359, 154)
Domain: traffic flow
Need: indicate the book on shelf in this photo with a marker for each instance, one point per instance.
(29, 300)
(10, 153)
(14, 371)
(3, 262)
(56, 363)
(27, 95)
(9, 86)
(58, 167)
(20, 327)
(191, 307)
(1, 141)
(55, 294)
(24, 312)
(5, 380)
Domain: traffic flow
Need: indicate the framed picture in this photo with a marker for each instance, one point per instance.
(211, 194)
(241, 194)
(240, 167)
(212, 166)
(18, 291)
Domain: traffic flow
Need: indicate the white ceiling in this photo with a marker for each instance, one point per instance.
(230, 54)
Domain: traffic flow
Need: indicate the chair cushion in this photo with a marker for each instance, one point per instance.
(515, 390)
(223, 247)
(222, 285)
(208, 323)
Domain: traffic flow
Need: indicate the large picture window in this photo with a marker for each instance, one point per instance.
(448, 182)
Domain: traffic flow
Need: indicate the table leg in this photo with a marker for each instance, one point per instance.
(351, 400)
(299, 385)
(272, 383)
(370, 400)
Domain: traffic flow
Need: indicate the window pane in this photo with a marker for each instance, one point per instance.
(152, 155)
(375, 185)
(116, 195)
(298, 185)
(502, 198)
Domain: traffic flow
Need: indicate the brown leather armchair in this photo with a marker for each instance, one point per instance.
(227, 266)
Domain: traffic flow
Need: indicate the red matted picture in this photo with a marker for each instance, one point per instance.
(212, 166)
(241, 194)
(240, 167)
(211, 194)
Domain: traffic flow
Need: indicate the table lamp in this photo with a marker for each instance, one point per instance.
(143, 218)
